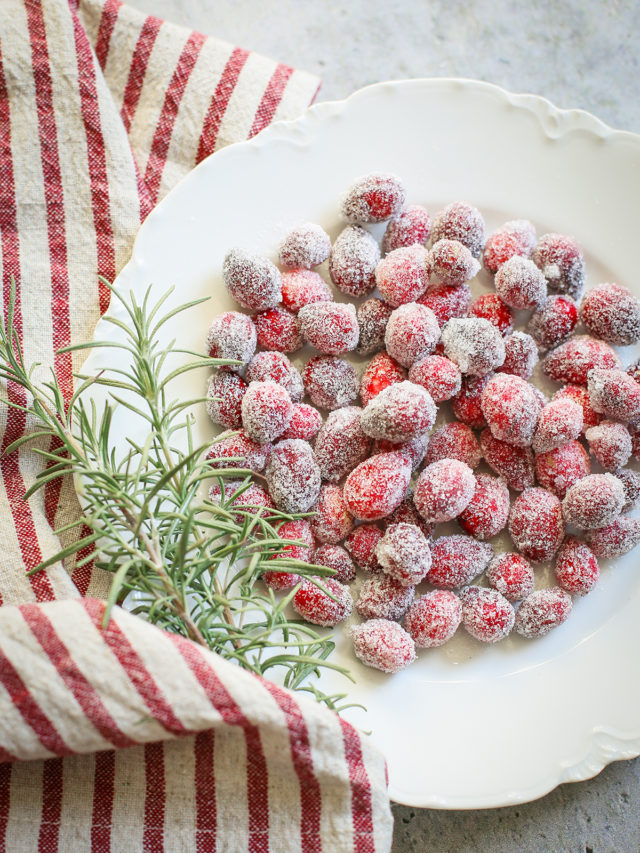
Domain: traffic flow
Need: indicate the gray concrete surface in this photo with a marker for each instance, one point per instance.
(577, 53)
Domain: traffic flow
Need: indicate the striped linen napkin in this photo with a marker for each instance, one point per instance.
(102, 110)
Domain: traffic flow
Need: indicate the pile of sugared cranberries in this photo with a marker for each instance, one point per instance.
(386, 412)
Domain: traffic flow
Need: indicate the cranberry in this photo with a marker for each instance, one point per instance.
(401, 276)
(521, 355)
(594, 501)
(373, 198)
(572, 360)
(341, 444)
(412, 225)
(238, 450)
(610, 443)
(333, 521)
(560, 421)
(433, 618)
(254, 282)
(382, 371)
(384, 597)
(511, 408)
(232, 336)
(454, 440)
(561, 261)
(487, 512)
(372, 316)
(293, 476)
(577, 569)
(403, 552)
(330, 382)
(224, 399)
(330, 327)
(614, 393)
(553, 322)
(383, 645)
(302, 287)
(463, 222)
(536, 524)
(456, 560)
(615, 539)
(353, 261)
(542, 611)
(361, 544)
(438, 375)
(305, 422)
(467, 403)
(336, 558)
(486, 615)
(399, 413)
(305, 246)
(278, 329)
(517, 237)
(275, 367)
(511, 574)
(520, 284)
(266, 411)
(447, 301)
(412, 333)
(557, 470)
(377, 486)
(474, 344)
(443, 490)
(450, 262)
(515, 464)
(492, 308)
(313, 603)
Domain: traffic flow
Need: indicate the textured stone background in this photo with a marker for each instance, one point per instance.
(577, 53)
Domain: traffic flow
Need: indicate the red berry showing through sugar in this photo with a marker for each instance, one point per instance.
(333, 521)
(438, 375)
(224, 399)
(594, 501)
(542, 611)
(512, 408)
(293, 475)
(454, 440)
(490, 307)
(361, 543)
(353, 261)
(384, 597)
(520, 284)
(456, 560)
(487, 512)
(278, 329)
(553, 322)
(615, 539)
(232, 336)
(559, 469)
(275, 367)
(305, 422)
(486, 614)
(517, 237)
(467, 403)
(577, 570)
(536, 524)
(451, 263)
(266, 411)
(295, 530)
(614, 393)
(382, 371)
(341, 444)
(303, 287)
(412, 225)
(336, 558)
(443, 490)
(315, 606)
(330, 327)
(372, 316)
(401, 412)
(403, 552)
(330, 382)
(572, 360)
(305, 246)
(377, 486)
(433, 618)
(561, 261)
(581, 395)
(560, 421)
(511, 574)
(373, 198)
(515, 464)
(411, 334)
(401, 276)
(463, 222)
(238, 450)
(383, 645)
(447, 301)
(610, 444)
(520, 355)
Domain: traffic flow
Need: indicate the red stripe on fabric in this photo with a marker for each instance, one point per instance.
(138, 68)
(133, 665)
(205, 785)
(169, 113)
(16, 421)
(220, 101)
(84, 692)
(271, 98)
(104, 777)
(96, 163)
(232, 714)
(108, 20)
(154, 799)
(5, 755)
(82, 576)
(31, 712)
(52, 786)
(360, 790)
(5, 803)
(310, 794)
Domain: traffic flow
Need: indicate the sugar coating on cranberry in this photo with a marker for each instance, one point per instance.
(232, 336)
(373, 198)
(410, 226)
(341, 444)
(521, 355)
(630, 480)
(467, 403)
(610, 444)
(372, 316)
(411, 334)
(443, 490)
(536, 524)
(560, 259)
(611, 312)
(511, 408)
(275, 367)
(463, 222)
(302, 287)
(433, 618)
(238, 450)
(330, 382)
(511, 574)
(353, 261)
(553, 322)
(560, 421)
(314, 605)
(383, 597)
(576, 568)
(381, 372)
(361, 544)
(266, 411)
(517, 237)
(403, 552)
(557, 470)
(333, 521)
(336, 558)
(542, 611)
(447, 301)
(305, 422)
(383, 645)
(615, 539)
(330, 327)
(401, 276)
(515, 464)
(474, 344)
(581, 395)
(298, 531)
(415, 449)
(440, 376)
(253, 281)
(486, 614)
(249, 502)
(407, 513)
(520, 283)
(399, 413)
(594, 501)
(377, 486)
(456, 560)
(487, 512)
(450, 262)
(454, 440)
(614, 393)
(493, 309)
(293, 475)
(224, 399)
(572, 360)
(305, 246)
(278, 329)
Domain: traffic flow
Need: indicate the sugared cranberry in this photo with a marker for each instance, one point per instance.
(536, 524)
(614, 393)
(303, 287)
(610, 443)
(305, 246)
(330, 382)
(373, 198)
(611, 312)
(450, 262)
(559, 469)
(511, 574)
(253, 281)
(382, 371)
(361, 544)
(412, 225)
(278, 329)
(463, 222)
(372, 316)
(433, 618)
(333, 521)
(630, 480)
(572, 360)
(353, 261)
(415, 449)
(266, 411)
(511, 408)
(238, 450)
(438, 375)
(275, 367)
(521, 355)
(486, 615)
(454, 440)
(383, 645)
(407, 513)
(520, 284)
(517, 237)
(515, 464)
(443, 490)
(232, 336)
(456, 560)
(467, 403)
(330, 327)
(553, 322)
(224, 399)
(377, 486)
(561, 261)
(493, 309)
(474, 344)
(384, 597)
(403, 552)
(411, 334)
(401, 276)
(594, 501)
(447, 301)
(246, 502)
(341, 444)
(577, 569)
(399, 413)
(293, 476)
(560, 421)
(297, 530)
(487, 512)
(305, 422)
(615, 539)
(336, 558)
(580, 395)
(315, 606)
(542, 611)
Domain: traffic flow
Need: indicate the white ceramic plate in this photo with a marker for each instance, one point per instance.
(466, 726)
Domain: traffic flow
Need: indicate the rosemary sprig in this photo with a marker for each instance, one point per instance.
(181, 561)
